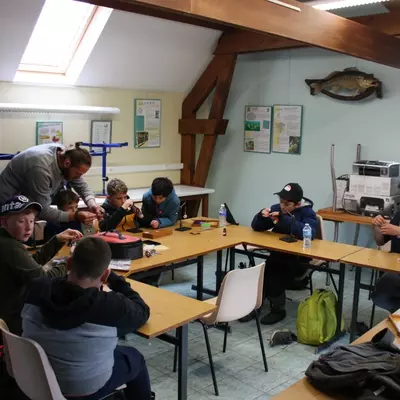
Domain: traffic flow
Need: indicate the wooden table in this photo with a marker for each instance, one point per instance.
(320, 249)
(169, 310)
(370, 258)
(342, 216)
(303, 390)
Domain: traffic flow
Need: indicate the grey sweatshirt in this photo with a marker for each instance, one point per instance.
(35, 173)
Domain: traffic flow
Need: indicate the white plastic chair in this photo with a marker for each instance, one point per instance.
(28, 364)
(241, 293)
(30, 367)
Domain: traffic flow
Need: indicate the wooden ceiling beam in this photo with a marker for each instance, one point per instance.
(310, 26)
(241, 41)
(388, 23)
(134, 7)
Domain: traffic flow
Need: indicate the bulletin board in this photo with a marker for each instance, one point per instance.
(147, 123)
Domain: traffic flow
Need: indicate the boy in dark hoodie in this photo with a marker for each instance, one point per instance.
(121, 213)
(160, 205)
(288, 217)
(78, 325)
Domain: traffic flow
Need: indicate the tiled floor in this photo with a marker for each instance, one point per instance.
(239, 371)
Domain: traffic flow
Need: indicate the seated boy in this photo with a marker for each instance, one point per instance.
(160, 205)
(119, 208)
(65, 200)
(78, 325)
(289, 216)
(17, 266)
(387, 291)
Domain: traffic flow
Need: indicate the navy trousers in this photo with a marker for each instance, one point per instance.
(129, 369)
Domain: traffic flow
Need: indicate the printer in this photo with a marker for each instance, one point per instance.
(374, 188)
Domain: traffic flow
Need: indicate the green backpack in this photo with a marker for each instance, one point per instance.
(316, 318)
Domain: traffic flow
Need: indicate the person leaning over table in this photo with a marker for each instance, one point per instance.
(40, 171)
(17, 266)
(387, 291)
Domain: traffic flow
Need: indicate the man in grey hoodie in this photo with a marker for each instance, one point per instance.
(40, 171)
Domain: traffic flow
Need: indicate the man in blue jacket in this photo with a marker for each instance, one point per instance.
(288, 217)
(160, 205)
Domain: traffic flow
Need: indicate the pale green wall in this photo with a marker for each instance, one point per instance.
(246, 181)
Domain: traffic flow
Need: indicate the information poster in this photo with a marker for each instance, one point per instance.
(147, 123)
(257, 129)
(101, 133)
(287, 129)
(49, 132)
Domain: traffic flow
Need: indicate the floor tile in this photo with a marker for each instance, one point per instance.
(278, 389)
(164, 361)
(199, 375)
(231, 362)
(251, 349)
(256, 377)
(232, 389)
(166, 388)
(198, 396)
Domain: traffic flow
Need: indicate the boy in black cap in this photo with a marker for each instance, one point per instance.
(17, 266)
(288, 217)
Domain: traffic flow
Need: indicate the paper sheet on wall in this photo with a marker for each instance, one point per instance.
(49, 132)
(147, 123)
(287, 129)
(257, 129)
(101, 132)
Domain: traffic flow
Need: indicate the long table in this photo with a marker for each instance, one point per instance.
(169, 310)
(303, 390)
(370, 258)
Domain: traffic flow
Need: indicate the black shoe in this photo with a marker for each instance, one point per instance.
(153, 396)
(299, 285)
(276, 315)
(248, 317)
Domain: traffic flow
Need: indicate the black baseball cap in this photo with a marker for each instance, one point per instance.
(16, 204)
(291, 192)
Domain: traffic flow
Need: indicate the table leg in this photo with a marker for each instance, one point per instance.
(355, 239)
(204, 206)
(200, 271)
(232, 258)
(218, 280)
(342, 272)
(356, 298)
(182, 362)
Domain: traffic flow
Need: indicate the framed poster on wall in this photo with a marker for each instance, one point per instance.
(101, 132)
(147, 129)
(257, 129)
(49, 132)
(287, 129)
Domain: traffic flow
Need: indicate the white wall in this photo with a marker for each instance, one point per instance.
(247, 181)
(17, 130)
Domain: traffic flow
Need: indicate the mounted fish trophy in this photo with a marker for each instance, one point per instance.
(348, 85)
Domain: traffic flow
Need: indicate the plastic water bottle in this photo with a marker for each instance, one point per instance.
(307, 236)
(222, 216)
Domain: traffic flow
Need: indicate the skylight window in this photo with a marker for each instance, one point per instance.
(62, 40)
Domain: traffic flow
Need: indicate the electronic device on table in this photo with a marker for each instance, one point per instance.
(374, 188)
